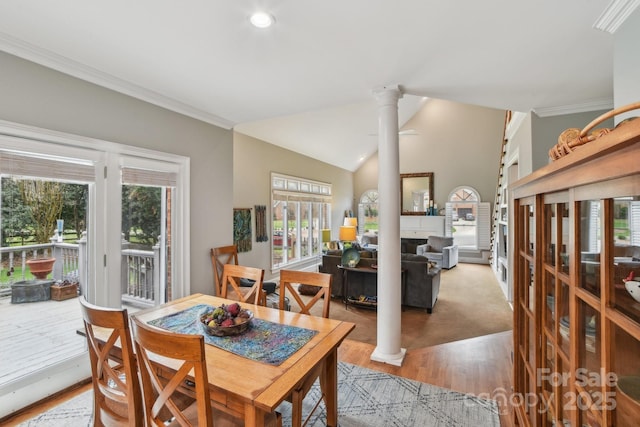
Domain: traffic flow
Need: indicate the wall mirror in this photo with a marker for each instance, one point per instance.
(416, 192)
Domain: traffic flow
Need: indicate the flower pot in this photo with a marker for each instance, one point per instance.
(41, 267)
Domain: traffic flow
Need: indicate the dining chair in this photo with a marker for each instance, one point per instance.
(289, 282)
(230, 283)
(229, 255)
(219, 257)
(158, 393)
(117, 397)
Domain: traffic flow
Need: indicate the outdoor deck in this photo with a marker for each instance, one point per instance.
(37, 334)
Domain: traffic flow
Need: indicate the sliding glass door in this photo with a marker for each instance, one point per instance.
(61, 199)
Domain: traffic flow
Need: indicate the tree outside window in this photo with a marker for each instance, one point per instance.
(368, 211)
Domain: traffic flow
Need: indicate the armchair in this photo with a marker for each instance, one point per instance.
(441, 250)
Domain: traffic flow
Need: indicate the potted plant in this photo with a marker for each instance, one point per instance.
(41, 267)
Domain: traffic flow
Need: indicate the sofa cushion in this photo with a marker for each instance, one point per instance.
(437, 243)
(369, 238)
(413, 257)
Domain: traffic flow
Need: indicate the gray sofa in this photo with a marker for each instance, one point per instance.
(440, 250)
(421, 283)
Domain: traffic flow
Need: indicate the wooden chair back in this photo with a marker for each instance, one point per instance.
(219, 257)
(231, 288)
(161, 396)
(322, 281)
(117, 395)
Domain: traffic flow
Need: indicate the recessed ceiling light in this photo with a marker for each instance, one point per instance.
(262, 20)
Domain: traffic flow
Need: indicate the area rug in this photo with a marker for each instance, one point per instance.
(366, 398)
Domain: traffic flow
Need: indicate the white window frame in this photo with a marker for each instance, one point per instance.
(108, 158)
(483, 218)
(300, 190)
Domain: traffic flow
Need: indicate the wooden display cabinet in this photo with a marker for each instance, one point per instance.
(576, 327)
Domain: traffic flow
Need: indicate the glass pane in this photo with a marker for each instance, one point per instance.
(278, 212)
(550, 233)
(562, 301)
(43, 224)
(549, 307)
(589, 374)
(626, 368)
(568, 402)
(305, 228)
(143, 254)
(546, 381)
(531, 293)
(316, 229)
(626, 251)
(292, 244)
(590, 245)
(589, 341)
(563, 214)
(368, 211)
(531, 228)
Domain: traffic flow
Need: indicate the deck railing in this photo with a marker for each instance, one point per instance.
(140, 277)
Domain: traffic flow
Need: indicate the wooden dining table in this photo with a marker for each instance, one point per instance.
(251, 388)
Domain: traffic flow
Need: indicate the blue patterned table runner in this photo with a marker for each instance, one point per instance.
(263, 341)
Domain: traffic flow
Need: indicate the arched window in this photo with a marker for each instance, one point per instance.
(368, 212)
(467, 218)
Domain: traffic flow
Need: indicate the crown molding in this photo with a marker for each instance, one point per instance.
(603, 104)
(615, 14)
(84, 72)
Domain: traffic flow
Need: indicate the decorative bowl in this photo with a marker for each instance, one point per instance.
(633, 287)
(350, 257)
(224, 331)
(628, 400)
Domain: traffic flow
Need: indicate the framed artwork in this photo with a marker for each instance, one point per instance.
(242, 229)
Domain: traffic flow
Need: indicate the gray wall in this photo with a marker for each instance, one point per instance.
(546, 130)
(626, 65)
(38, 96)
(254, 160)
(459, 143)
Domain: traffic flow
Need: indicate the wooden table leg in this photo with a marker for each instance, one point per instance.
(330, 388)
(253, 417)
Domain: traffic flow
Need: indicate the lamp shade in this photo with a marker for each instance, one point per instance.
(350, 222)
(347, 233)
(326, 235)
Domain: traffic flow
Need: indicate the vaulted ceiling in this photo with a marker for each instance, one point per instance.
(306, 83)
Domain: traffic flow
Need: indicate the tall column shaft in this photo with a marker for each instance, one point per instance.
(389, 270)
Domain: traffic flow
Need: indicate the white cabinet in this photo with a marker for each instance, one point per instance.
(421, 227)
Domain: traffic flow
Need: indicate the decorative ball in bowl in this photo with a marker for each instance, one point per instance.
(226, 320)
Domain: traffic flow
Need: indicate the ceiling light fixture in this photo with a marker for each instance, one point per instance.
(262, 20)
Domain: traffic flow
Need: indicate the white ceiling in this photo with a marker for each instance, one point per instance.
(306, 83)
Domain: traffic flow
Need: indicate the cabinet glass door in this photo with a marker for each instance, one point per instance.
(626, 256)
(590, 245)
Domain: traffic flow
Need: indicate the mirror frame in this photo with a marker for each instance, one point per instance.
(409, 176)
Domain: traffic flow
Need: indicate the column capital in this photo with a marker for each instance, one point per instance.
(387, 95)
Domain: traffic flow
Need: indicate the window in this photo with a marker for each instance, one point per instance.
(468, 219)
(368, 211)
(94, 174)
(300, 210)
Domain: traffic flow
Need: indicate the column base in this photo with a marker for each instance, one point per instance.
(391, 359)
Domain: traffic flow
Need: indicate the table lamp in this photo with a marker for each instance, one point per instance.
(326, 238)
(350, 222)
(348, 235)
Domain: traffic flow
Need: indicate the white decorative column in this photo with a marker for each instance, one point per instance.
(389, 272)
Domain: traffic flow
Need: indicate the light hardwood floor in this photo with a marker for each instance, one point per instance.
(480, 366)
